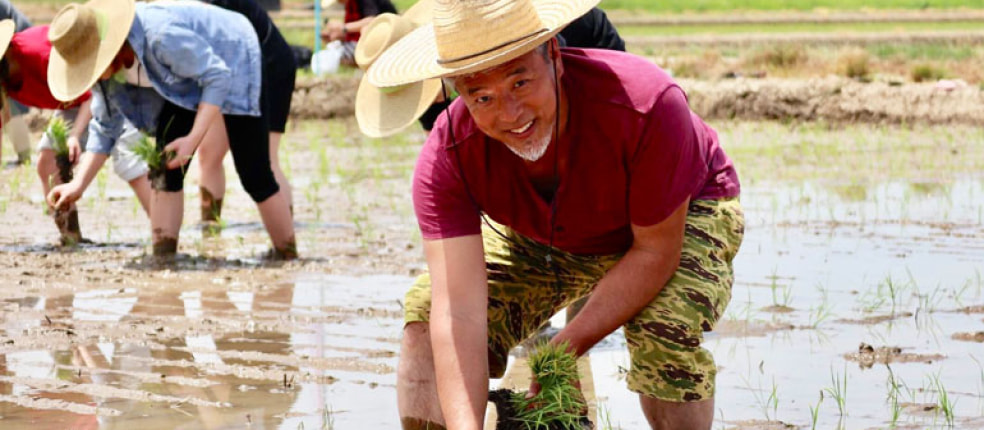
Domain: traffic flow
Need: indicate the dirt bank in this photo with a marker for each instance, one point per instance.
(827, 99)
(830, 99)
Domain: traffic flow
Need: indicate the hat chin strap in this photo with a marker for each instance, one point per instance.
(444, 61)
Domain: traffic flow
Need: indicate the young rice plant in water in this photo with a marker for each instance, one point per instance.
(58, 133)
(559, 404)
(146, 149)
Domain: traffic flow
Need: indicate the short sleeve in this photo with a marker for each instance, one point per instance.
(667, 166)
(443, 206)
(375, 7)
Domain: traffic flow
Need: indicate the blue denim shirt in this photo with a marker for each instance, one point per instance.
(192, 53)
(140, 105)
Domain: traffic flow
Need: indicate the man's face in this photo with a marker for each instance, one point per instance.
(119, 63)
(515, 102)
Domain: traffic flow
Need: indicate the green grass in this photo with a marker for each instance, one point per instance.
(800, 27)
(726, 5)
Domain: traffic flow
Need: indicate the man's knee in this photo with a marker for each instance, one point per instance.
(416, 359)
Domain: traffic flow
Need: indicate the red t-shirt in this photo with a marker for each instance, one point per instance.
(31, 49)
(636, 152)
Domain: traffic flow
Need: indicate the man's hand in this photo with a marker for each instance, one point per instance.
(62, 196)
(334, 30)
(182, 148)
(74, 149)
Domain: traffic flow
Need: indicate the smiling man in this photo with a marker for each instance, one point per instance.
(594, 178)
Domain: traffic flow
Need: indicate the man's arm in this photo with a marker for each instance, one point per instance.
(632, 284)
(79, 127)
(459, 328)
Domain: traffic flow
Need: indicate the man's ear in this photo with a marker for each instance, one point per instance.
(555, 58)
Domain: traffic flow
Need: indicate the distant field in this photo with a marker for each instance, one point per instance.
(800, 27)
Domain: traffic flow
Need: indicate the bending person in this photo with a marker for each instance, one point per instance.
(203, 64)
(13, 112)
(595, 179)
(22, 75)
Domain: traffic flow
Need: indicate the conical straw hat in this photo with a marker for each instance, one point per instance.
(84, 40)
(7, 28)
(381, 112)
(471, 35)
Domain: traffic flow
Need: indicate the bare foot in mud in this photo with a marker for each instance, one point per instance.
(286, 253)
(166, 247)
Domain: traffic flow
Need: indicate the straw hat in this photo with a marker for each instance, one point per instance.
(7, 28)
(84, 39)
(471, 35)
(381, 112)
(422, 12)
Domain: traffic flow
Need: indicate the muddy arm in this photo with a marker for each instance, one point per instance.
(459, 328)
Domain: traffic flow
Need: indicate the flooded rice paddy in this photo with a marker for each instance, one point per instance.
(858, 302)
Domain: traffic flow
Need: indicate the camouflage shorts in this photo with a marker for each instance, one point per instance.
(664, 339)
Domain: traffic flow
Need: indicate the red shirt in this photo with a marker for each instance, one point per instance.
(636, 153)
(31, 49)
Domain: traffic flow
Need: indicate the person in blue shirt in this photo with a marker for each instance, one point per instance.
(203, 64)
(279, 72)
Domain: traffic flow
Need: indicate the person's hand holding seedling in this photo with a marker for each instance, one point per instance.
(64, 195)
(554, 400)
(74, 149)
(179, 151)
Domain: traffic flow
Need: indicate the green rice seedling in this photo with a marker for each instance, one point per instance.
(893, 397)
(559, 404)
(58, 133)
(781, 294)
(822, 311)
(146, 149)
(328, 419)
(839, 390)
(815, 412)
(943, 399)
(605, 418)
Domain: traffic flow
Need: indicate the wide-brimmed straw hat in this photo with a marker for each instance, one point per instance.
(381, 112)
(471, 35)
(7, 28)
(84, 40)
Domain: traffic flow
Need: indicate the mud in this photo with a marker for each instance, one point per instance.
(67, 221)
(106, 335)
(165, 246)
(970, 337)
(868, 356)
(837, 100)
(211, 206)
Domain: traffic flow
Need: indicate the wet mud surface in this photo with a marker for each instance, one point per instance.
(853, 242)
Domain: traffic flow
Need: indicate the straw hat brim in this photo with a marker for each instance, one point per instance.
(422, 12)
(69, 81)
(7, 28)
(381, 114)
(414, 58)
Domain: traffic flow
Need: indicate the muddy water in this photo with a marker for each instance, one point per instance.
(200, 357)
(833, 263)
